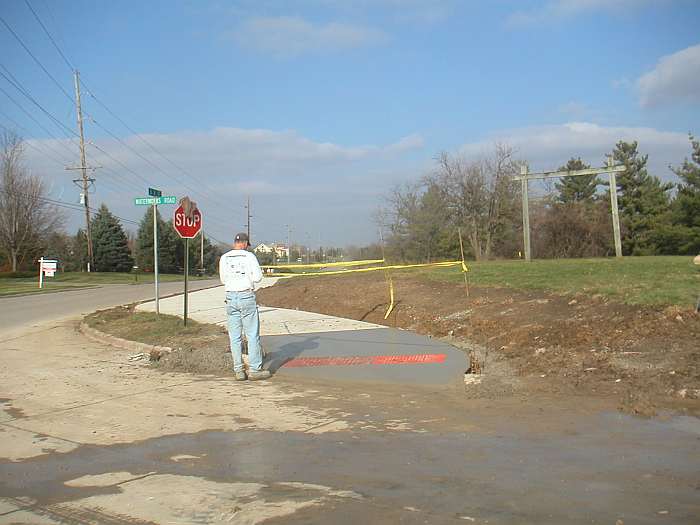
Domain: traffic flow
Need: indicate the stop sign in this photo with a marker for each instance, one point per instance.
(186, 227)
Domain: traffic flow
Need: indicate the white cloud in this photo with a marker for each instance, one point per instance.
(287, 174)
(548, 147)
(675, 79)
(407, 143)
(561, 10)
(290, 36)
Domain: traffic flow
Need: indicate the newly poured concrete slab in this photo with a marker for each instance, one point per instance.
(384, 355)
(307, 344)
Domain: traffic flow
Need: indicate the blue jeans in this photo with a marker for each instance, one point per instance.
(242, 312)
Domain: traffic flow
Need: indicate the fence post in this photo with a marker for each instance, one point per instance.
(526, 211)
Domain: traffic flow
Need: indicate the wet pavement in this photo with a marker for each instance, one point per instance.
(642, 472)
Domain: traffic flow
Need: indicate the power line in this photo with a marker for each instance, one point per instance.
(155, 150)
(19, 126)
(65, 59)
(69, 205)
(38, 62)
(18, 86)
(79, 208)
(33, 146)
(90, 143)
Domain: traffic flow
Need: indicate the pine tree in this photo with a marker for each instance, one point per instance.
(643, 201)
(166, 247)
(685, 208)
(109, 243)
(170, 249)
(79, 256)
(576, 189)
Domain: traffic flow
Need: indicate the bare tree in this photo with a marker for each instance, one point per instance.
(26, 217)
(481, 194)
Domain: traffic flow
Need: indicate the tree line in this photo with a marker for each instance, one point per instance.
(480, 198)
(31, 226)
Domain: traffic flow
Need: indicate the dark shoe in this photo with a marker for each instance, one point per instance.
(255, 375)
(240, 376)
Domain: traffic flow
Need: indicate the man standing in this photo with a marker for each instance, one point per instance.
(239, 271)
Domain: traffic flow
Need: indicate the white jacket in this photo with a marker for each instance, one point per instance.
(239, 270)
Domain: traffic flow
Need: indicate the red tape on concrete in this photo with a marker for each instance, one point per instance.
(412, 359)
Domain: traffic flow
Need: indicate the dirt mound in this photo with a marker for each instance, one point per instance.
(648, 357)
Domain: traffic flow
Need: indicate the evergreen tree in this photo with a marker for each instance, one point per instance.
(211, 254)
(78, 252)
(576, 189)
(59, 247)
(643, 201)
(166, 244)
(170, 249)
(685, 208)
(109, 243)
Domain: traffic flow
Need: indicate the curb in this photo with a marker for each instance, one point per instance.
(154, 351)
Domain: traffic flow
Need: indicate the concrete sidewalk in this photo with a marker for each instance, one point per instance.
(207, 306)
(311, 345)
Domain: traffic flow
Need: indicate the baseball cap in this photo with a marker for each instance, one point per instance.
(242, 237)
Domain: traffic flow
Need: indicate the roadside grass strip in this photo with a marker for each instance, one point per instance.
(634, 280)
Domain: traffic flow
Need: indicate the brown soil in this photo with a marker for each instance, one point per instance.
(648, 358)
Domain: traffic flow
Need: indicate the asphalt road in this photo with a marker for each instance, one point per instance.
(18, 312)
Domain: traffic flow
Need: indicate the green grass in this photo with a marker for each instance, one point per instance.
(10, 287)
(630, 280)
(146, 327)
(74, 280)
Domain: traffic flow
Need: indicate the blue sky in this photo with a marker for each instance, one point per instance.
(316, 108)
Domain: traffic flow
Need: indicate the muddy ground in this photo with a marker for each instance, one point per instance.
(527, 342)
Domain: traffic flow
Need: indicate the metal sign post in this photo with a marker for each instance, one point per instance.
(187, 222)
(155, 255)
(47, 267)
(156, 198)
(187, 271)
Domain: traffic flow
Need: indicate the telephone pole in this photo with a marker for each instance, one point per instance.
(249, 217)
(86, 181)
(289, 243)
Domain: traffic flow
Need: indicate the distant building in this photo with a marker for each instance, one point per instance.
(263, 248)
(280, 250)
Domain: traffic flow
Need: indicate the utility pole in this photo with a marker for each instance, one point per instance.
(83, 168)
(249, 217)
(289, 244)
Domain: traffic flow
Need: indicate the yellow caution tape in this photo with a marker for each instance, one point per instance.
(327, 265)
(446, 264)
(391, 299)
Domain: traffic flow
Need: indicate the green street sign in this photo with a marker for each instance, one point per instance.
(154, 192)
(150, 201)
